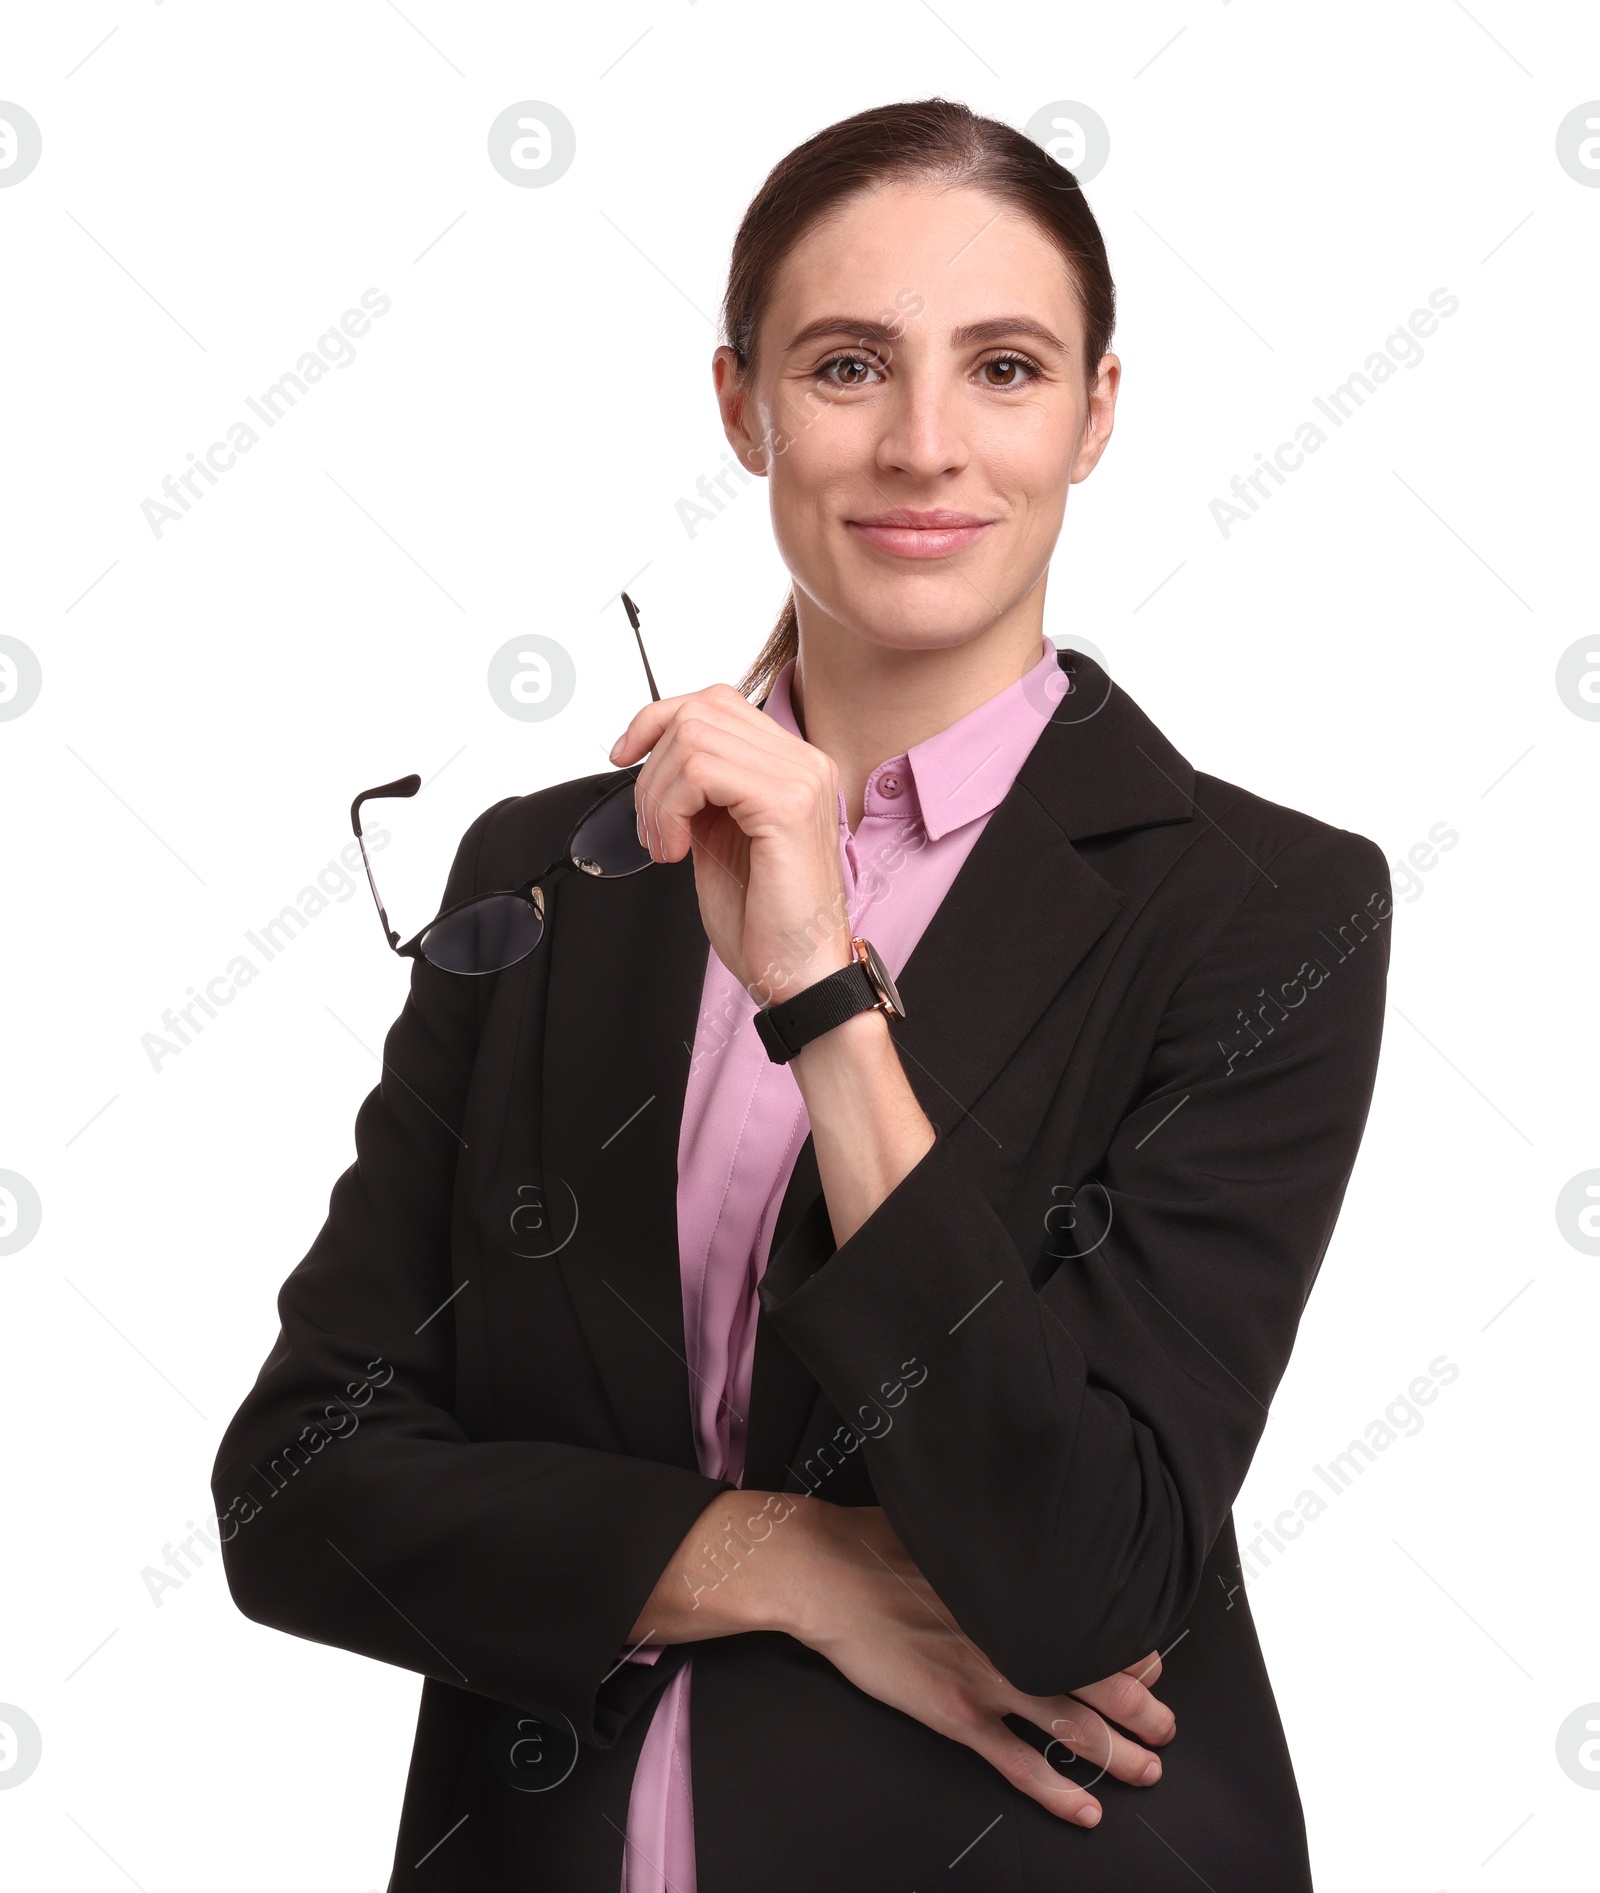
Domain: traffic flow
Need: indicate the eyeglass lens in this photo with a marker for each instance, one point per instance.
(501, 929)
(492, 933)
(606, 842)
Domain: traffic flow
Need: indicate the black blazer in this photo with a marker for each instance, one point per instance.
(1145, 1023)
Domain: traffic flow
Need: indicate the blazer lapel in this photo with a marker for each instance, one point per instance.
(1021, 915)
(628, 960)
(1027, 907)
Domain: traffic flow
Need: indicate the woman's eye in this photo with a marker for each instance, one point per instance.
(1014, 370)
(860, 364)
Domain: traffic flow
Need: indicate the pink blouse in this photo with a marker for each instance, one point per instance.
(744, 1123)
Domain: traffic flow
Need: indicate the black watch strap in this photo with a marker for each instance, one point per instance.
(788, 1028)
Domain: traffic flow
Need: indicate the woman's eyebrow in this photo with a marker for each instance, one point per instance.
(861, 327)
(998, 328)
(865, 329)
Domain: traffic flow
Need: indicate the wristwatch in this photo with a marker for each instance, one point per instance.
(862, 986)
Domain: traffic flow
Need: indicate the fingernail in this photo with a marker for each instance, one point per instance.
(1087, 1817)
(615, 747)
(1151, 1775)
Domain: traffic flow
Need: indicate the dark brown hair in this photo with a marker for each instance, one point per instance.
(921, 138)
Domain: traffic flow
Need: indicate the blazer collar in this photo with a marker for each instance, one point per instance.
(1101, 765)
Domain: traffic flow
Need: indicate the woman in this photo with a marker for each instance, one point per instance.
(844, 1396)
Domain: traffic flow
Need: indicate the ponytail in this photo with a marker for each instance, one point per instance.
(780, 647)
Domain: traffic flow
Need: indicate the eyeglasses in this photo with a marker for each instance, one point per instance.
(490, 932)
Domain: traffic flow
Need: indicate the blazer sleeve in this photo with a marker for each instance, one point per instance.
(354, 1509)
(1063, 1467)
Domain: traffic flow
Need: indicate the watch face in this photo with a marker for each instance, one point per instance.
(878, 973)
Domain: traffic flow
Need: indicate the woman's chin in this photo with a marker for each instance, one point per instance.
(925, 613)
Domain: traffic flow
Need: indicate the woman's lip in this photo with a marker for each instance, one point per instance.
(920, 516)
(920, 542)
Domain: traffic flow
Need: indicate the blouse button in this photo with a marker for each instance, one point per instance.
(890, 785)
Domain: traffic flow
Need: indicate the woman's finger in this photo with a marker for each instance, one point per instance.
(700, 764)
(722, 708)
(663, 825)
(1128, 1702)
(644, 732)
(1088, 1737)
(1147, 1670)
(718, 703)
(664, 732)
(1025, 1768)
(692, 767)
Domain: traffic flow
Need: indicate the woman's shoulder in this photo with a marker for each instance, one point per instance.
(1265, 830)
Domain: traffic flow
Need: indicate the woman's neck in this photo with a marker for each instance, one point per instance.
(862, 703)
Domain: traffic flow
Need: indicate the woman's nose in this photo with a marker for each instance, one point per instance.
(922, 433)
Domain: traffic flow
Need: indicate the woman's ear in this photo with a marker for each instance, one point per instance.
(740, 422)
(1102, 415)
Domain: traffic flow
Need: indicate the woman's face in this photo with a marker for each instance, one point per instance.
(920, 404)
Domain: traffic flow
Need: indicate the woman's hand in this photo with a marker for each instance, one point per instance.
(869, 1610)
(759, 808)
(837, 1579)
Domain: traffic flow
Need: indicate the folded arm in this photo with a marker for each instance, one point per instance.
(353, 1507)
(1063, 1472)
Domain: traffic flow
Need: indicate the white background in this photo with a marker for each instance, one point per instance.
(1377, 645)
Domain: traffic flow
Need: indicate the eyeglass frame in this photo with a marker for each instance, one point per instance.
(532, 890)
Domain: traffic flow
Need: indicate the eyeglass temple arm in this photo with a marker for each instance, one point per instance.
(633, 618)
(407, 785)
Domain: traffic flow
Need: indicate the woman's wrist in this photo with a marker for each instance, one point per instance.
(744, 1565)
(868, 1130)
